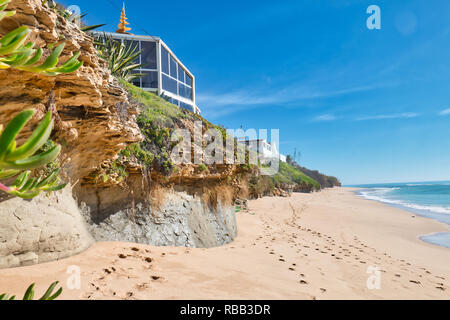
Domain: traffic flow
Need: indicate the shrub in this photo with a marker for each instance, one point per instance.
(119, 56)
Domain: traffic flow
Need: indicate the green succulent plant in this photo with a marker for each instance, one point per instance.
(19, 161)
(16, 52)
(121, 57)
(29, 294)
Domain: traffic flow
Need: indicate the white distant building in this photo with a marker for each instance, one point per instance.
(266, 150)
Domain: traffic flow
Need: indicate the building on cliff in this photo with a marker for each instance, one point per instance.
(164, 73)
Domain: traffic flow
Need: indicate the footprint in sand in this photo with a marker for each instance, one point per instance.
(156, 278)
(142, 286)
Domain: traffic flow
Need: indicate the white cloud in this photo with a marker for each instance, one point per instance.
(444, 112)
(324, 83)
(325, 117)
(406, 115)
(280, 96)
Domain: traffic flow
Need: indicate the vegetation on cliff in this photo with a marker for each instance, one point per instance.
(121, 57)
(158, 119)
(324, 180)
(157, 123)
(288, 179)
(289, 174)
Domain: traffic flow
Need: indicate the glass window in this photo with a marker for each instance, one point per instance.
(150, 79)
(189, 93)
(169, 84)
(164, 60)
(148, 55)
(188, 80)
(173, 67)
(184, 91)
(180, 73)
(181, 90)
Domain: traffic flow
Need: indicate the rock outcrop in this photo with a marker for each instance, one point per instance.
(181, 220)
(188, 209)
(44, 229)
(95, 118)
(93, 121)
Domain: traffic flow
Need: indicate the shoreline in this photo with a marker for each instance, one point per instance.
(308, 246)
(419, 212)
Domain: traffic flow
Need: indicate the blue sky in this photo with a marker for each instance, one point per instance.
(368, 106)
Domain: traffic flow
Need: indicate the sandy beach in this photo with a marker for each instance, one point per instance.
(308, 246)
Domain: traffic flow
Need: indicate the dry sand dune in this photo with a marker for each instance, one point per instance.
(309, 246)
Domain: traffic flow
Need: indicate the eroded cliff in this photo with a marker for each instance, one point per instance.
(95, 119)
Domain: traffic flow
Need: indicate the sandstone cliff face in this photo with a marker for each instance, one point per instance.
(188, 209)
(97, 120)
(181, 220)
(94, 121)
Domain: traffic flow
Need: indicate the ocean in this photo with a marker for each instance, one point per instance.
(426, 199)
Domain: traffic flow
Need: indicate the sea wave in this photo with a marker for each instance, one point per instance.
(377, 194)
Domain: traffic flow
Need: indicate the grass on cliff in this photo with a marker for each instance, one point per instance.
(289, 175)
(156, 110)
(157, 120)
